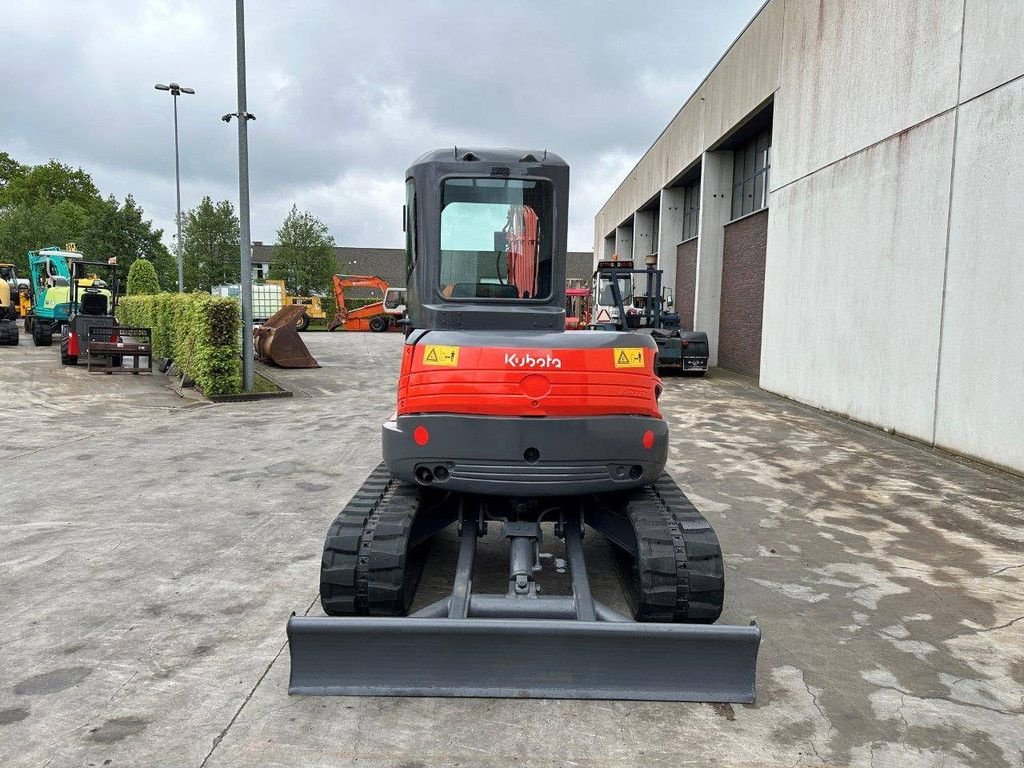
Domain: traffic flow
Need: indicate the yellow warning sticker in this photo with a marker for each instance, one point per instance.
(629, 357)
(437, 354)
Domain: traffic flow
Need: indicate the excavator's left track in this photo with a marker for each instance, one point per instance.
(368, 566)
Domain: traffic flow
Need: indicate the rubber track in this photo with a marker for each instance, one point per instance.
(366, 569)
(9, 333)
(679, 574)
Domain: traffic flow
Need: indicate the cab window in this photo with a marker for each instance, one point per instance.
(496, 239)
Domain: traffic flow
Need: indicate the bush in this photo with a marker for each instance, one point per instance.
(329, 306)
(201, 333)
(142, 280)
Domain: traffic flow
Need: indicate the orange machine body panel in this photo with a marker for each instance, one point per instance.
(359, 319)
(520, 381)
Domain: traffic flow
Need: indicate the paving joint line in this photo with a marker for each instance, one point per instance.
(220, 737)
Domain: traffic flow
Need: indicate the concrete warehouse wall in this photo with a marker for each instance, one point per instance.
(853, 283)
(980, 404)
(894, 258)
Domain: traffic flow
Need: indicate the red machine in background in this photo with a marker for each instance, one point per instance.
(377, 316)
(577, 304)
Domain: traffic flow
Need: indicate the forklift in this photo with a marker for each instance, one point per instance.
(507, 423)
(619, 307)
(92, 303)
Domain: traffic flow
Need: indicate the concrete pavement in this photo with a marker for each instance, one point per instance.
(152, 547)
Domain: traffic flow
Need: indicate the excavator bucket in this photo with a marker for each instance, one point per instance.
(277, 341)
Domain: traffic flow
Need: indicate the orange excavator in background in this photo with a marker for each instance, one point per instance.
(378, 316)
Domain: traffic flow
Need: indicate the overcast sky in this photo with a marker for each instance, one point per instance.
(347, 94)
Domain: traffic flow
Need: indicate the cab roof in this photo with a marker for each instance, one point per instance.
(470, 155)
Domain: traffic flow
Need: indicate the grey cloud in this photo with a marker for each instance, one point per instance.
(346, 94)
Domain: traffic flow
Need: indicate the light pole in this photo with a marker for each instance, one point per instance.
(176, 90)
(244, 244)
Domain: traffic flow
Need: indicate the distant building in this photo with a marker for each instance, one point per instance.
(579, 264)
(389, 263)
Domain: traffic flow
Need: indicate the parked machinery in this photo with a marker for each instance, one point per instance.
(276, 340)
(9, 333)
(92, 303)
(577, 304)
(378, 315)
(621, 304)
(21, 290)
(505, 420)
(52, 303)
(314, 311)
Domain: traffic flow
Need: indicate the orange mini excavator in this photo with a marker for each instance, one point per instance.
(507, 421)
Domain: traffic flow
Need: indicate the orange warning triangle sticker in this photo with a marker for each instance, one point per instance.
(603, 315)
(622, 358)
(432, 355)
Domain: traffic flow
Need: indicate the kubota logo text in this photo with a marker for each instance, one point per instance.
(517, 360)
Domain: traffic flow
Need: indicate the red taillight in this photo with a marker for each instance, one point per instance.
(648, 439)
(421, 436)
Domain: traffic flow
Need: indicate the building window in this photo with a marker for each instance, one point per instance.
(750, 172)
(654, 232)
(691, 210)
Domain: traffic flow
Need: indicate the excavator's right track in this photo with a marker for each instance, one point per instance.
(678, 573)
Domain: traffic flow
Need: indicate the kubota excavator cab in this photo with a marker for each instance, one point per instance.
(487, 240)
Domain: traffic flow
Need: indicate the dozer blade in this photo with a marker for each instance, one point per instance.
(277, 341)
(538, 658)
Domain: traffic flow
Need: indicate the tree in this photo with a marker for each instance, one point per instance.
(10, 169)
(42, 205)
(25, 228)
(55, 204)
(51, 183)
(142, 279)
(209, 234)
(120, 231)
(304, 254)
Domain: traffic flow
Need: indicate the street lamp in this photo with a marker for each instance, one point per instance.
(176, 90)
(244, 244)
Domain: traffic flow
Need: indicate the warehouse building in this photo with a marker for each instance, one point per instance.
(838, 205)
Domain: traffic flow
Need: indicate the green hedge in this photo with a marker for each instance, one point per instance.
(142, 279)
(201, 333)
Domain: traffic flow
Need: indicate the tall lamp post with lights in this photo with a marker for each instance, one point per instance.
(244, 245)
(175, 91)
